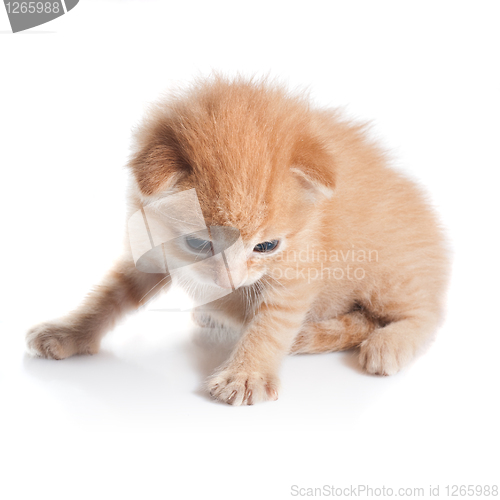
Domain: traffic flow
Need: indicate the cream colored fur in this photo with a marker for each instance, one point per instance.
(272, 166)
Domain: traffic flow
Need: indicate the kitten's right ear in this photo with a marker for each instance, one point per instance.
(314, 167)
(158, 163)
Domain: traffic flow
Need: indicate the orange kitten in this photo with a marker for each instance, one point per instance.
(334, 249)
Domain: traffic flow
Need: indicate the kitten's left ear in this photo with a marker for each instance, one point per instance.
(314, 167)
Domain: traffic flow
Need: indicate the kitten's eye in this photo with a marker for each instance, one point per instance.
(198, 244)
(267, 246)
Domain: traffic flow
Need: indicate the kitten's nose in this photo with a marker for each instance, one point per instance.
(229, 260)
(223, 279)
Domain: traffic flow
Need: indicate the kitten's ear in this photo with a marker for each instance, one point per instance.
(314, 167)
(158, 162)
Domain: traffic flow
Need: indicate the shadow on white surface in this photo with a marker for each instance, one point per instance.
(147, 378)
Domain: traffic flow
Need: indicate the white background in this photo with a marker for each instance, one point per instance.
(133, 421)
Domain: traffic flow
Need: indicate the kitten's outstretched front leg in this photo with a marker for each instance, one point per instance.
(80, 332)
(250, 374)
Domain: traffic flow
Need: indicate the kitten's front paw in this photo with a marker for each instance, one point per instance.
(203, 320)
(382, 354)
(238, 387)
(55, 340)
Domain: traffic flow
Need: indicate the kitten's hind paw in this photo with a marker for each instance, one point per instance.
(384, 354)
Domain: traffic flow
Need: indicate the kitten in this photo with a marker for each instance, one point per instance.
(336, 250)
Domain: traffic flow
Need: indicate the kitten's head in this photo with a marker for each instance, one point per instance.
(258, 161)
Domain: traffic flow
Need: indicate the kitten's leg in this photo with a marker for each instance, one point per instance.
(204, 320)
(201, 320)
(389, 348)
(250, 374)
(337, 334)
(80, 332)
(384, 350)
(414, 312)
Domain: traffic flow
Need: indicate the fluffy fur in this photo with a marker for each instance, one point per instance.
(361, 261)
